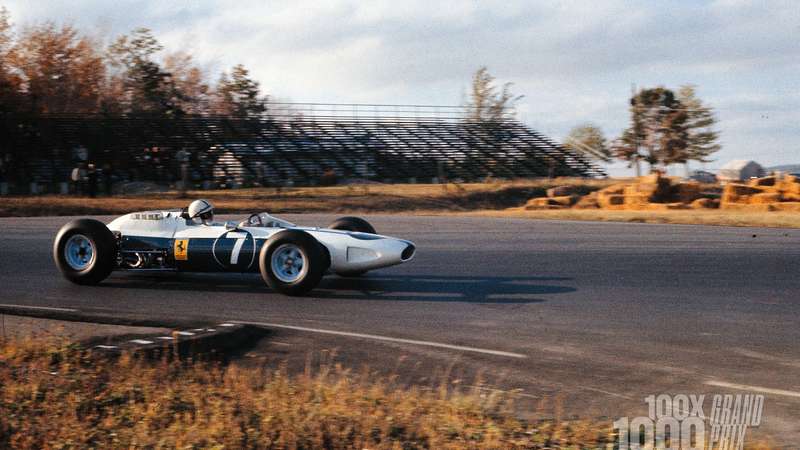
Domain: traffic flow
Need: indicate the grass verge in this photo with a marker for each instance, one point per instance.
(362, 198)
(54, 394)
(479, 199)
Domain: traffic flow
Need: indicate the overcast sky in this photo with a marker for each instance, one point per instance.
(574, 61)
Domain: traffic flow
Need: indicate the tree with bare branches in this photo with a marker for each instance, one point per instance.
(487, 102)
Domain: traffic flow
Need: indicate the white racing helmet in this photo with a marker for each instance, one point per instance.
(201, 209)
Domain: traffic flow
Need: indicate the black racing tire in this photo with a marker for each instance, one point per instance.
(314, 262)
(103, 246)
(352, 224)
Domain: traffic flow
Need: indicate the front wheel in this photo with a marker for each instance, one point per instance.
(292, 262)
(352, 224)
(85, 251)
(356, 224)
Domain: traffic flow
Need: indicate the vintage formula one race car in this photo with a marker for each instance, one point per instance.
(292, 259)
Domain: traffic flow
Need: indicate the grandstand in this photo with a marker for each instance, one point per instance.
(295, 144)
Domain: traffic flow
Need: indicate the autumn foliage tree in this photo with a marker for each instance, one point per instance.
(10, 83)
(190, 81)
(50, 69)
(61, 71)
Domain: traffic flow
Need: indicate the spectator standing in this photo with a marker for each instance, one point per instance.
(78, 177)
(91, 178)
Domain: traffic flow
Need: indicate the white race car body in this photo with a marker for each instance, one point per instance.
(166, 240)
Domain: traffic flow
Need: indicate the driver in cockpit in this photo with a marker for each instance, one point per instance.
(202, 210)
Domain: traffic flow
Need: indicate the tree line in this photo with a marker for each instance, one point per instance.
(55, 69)
(665, 127)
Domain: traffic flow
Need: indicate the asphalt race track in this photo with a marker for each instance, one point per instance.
(588, 317)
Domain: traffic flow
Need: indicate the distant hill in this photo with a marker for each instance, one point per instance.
(791, 168)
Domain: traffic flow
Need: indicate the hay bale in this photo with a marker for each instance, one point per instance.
(634, 200)
(587, 202)
(536, 202)
(747, 207)
(542, 203)
(611, 201)
(614, 189)
(787, 206)
(789, 197)
(687, 192)
(738, 193)
(763, 181)
(666, 206)
(561, 191)
(764, 198)
(705, 203)
(790, 184)
(643, 193)
(564, 200)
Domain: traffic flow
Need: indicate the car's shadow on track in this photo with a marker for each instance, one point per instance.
(440, 289)
(373, 286)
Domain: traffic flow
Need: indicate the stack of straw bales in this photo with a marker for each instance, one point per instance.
(651, 192)
(772, 193)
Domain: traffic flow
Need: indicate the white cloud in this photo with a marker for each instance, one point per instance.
(573, 60)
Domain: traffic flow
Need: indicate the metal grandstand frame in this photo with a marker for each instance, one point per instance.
(291, 144)
(377, 111)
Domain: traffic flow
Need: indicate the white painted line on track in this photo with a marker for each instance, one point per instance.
(376, 337)
(744, 387)
(43, 308)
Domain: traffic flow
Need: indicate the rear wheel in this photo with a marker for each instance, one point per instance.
(292, 262)
(352, 224)
(85, 251)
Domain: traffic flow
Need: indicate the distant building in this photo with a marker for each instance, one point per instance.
(793, 169)
(740, 170)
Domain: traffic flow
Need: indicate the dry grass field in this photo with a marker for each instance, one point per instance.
(54, 394)
(362, 197)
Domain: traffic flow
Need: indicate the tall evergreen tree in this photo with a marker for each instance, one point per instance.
(238, 95)
(700, 121)
(148, 88)
(657, 133)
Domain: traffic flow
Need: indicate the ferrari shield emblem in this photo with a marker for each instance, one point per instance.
(181, 249)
